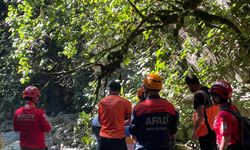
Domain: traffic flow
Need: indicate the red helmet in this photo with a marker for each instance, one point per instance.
(31, 92)
(140, 92)
(222, 88)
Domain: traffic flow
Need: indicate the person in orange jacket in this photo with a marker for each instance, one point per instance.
(113, 111)
(31, 122)
(204, 114)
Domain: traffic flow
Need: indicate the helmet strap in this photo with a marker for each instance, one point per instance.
(36, 100)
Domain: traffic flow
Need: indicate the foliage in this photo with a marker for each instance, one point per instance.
(9, 78)
(84, 124)
(104, 34)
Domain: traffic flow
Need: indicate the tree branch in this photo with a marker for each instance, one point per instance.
(136, 9)
(205, 16)
(96, 95)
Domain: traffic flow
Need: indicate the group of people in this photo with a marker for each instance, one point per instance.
(214, 127)
(153, 121)
(150, 125)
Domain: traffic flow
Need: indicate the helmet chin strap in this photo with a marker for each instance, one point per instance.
(35, 101)
(216, 102)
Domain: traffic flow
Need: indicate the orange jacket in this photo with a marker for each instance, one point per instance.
(211, 113)
(112, 113)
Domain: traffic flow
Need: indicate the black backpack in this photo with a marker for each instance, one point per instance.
(244, 128)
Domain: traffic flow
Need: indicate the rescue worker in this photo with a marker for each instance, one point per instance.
(154, 120)
(31, 122)
(141, 94)
(113, 111)
(129, 141)
(96, 127)
(204, 114)
(226, 124)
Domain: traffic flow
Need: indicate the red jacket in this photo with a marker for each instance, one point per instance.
(32, 124)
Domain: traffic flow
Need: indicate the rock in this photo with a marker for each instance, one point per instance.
(57, 139)
(74, 144)
(68, 143)
(10, 137)
(6, 126)
(13, 146)
(65, 118)
(62, 137)
(54, 147)
(80, 146)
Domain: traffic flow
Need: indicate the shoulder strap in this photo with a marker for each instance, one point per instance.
(239, 118)
(236, 114)
(206, 98)
(203, 93)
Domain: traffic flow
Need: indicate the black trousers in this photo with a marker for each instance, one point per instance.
(96, 131)
(112, 144)
(234, 147)
(208, 142)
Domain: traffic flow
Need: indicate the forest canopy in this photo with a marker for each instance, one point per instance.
(71, 49)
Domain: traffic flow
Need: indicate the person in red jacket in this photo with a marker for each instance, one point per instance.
(154, 121)
(31, 122)
(226, 125)
(141, 94)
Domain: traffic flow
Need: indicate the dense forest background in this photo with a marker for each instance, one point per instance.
(71, 49)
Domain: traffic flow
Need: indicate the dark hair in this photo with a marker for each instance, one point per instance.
(114, 86)
(192, 79)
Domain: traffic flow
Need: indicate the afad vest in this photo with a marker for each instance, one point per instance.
(210, 112)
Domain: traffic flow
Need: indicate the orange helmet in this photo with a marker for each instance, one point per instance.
(153, 82)
(31, 92)
(222, 88)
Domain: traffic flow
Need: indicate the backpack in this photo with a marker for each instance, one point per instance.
(244, 128)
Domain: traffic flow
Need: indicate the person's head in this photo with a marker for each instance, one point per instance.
(221, 91)
(152, 84)
(141, 94)
(193, 82)
(31, 93)
(115, 86)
